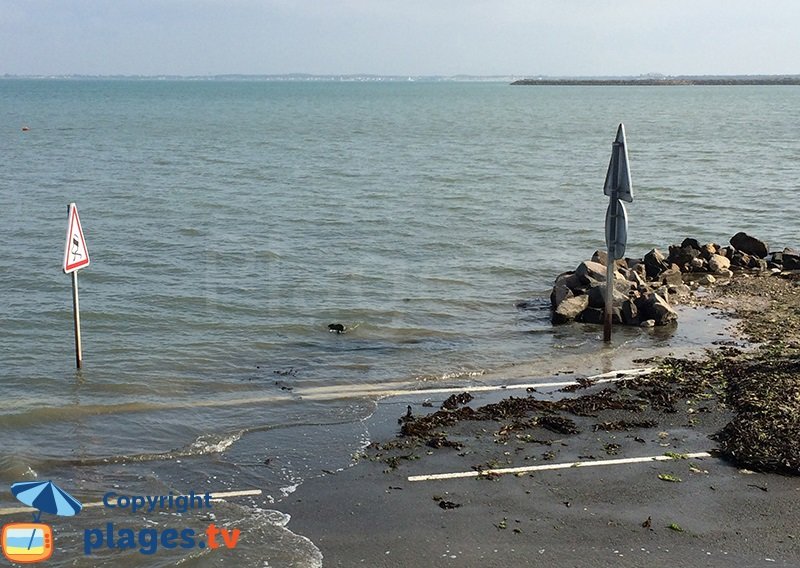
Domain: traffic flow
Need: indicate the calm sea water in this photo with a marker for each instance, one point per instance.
(230, 222)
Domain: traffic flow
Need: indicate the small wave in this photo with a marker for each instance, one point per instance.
(452, 376)
(213, 444)
(205, 444)
(17, 468)
(192, 232)
(289, 489)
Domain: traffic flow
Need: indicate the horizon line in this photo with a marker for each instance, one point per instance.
(393, 77)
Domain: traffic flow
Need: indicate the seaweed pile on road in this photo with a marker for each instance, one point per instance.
(763, 387)
(764, 434)
(518, 410)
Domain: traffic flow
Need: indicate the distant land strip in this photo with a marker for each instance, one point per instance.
(666, 81)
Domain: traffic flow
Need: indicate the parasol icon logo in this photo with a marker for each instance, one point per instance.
(33, 542)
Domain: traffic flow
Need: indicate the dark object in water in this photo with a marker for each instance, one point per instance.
(335, 328)
(456, 400)
(409, 416)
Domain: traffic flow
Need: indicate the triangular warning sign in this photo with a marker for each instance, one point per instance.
(76, 255)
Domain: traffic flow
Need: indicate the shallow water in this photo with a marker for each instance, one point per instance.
(230, 222)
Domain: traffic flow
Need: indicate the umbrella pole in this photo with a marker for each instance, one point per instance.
(609, 296)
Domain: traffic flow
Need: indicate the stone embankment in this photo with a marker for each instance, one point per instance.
(646, 288)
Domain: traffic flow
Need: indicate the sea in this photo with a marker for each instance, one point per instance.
(229, 222)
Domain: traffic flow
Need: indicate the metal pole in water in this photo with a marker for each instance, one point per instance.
(607, 316)
(77, 317)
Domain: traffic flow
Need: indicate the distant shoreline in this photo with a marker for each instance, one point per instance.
(652, 80)
(673, 81)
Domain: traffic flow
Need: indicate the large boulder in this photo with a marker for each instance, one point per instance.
(671, 276)
(597, 316)
(708, 250)
(749, 245)
(790, 259)
(561, 291)
(630, 313)
(589, 272)
(601, 257)
(741, 259)
(655, 307)
(717, 263)
(654, 264)
(691, 243)
(682, 256)
(597, 295)
(570, 309)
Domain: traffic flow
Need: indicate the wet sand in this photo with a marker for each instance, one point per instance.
(371, 515)
(680, 512)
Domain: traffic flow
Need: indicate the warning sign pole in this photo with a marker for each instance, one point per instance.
(76, 256)
(77, 317)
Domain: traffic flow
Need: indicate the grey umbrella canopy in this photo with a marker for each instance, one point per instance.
(618, 188)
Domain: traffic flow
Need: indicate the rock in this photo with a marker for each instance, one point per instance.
(591, 315)
(597, 316)
(560, 293)
(601, 257)
(561, 290)
(740, 259)
(336, 328)
(708, 250)
(725, 273)
(706, 279)
(657, 308)
(698, 264)
(682, 256)
(589, 272)
(692, 243)
(791, 262)
(791, 259)
(648, 323)
(637, 278)
(671, 276)
(629, 313)
(680, 291)
(574, 283)
(569, 309)
(640, 270)
(750, 245)
(758, 264)
(717, 263)
(597, 295)
(655, 264)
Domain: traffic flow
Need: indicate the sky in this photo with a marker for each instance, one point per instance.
(399, 37)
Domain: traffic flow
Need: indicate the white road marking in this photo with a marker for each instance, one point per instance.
(550, 466)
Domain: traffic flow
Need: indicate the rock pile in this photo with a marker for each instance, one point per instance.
(644, 288)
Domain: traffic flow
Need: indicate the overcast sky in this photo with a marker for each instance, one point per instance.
(399, 37)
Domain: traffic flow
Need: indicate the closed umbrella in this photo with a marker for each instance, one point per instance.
(618, 188)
